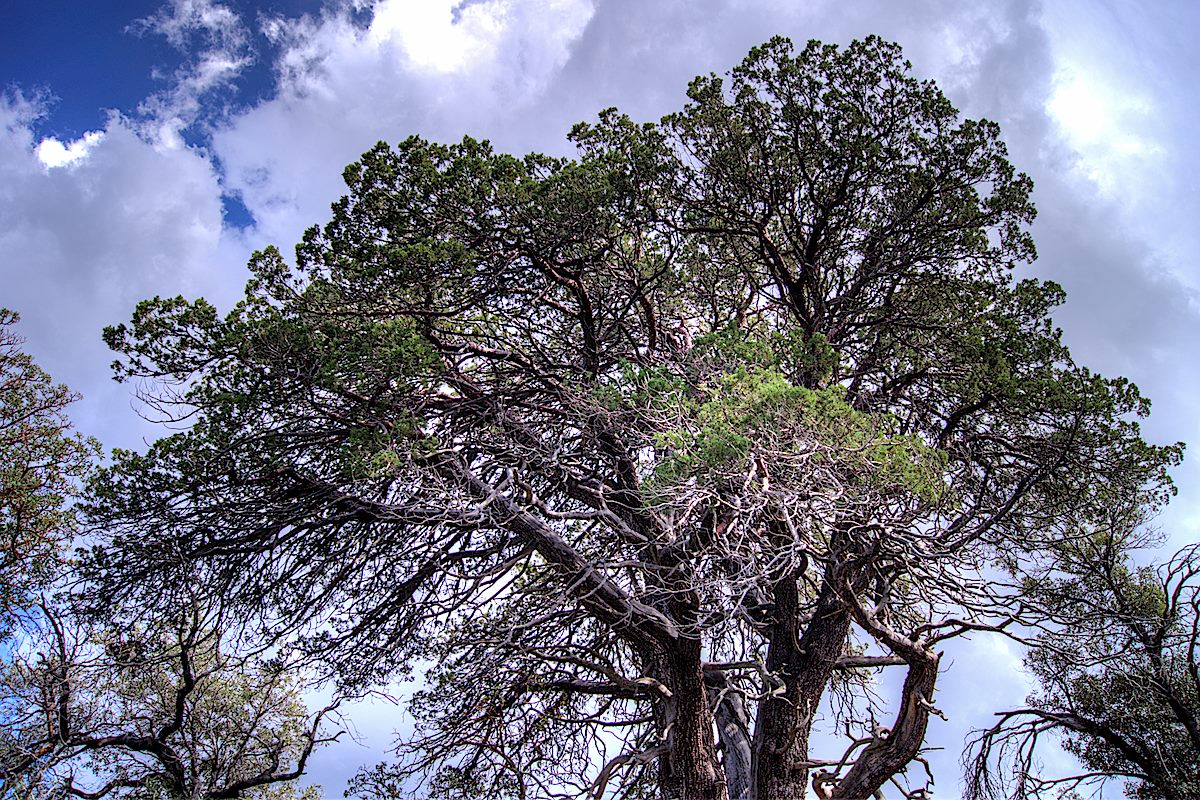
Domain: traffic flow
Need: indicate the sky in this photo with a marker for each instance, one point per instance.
(148, 148)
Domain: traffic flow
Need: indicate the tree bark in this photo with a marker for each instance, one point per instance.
(689, 770)
(733, 736)
(805, 664)
(891, 751)
(889, 755)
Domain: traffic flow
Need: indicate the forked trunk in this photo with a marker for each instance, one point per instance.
(805, 664)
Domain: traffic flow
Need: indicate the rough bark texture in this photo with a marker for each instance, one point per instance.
(888, 754)
(689, 770)
(733, 735)
(805, 663)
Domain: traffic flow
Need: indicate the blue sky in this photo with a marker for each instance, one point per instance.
(148, 146)
(94, 56)
(84, 54)
(85, 60)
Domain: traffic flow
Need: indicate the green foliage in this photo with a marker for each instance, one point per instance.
(41, 465)
(1117, 671)
(757, 410)
(161, 710)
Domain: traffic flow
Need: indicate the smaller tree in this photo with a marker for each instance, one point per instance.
(160, 710)
(40, 459)
(94, 705)
(1119, 673)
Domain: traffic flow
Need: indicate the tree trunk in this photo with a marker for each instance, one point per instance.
(733, 735)
(805, 664)
(689, 769)
(884, 758)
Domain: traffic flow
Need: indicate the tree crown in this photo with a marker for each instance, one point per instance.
(747, 398)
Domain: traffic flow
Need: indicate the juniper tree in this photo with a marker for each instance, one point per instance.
(650, 451)
(1118, 670)
(42, 462)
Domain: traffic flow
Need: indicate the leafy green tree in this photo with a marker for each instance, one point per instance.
(158, 710)
(151, 710)
(652, 452)
(41, 464)
(1119, 675)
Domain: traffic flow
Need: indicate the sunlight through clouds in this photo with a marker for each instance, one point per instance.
(453, 36)
(1107, 127)
(1124, 104)
(432, 37)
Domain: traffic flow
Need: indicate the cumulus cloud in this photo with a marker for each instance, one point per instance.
(86, 234)
(416, 68)
(521, 73)
(433, 37)
(54, 153)
(90, 226)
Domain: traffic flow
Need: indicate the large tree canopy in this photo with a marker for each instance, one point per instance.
(650, 451)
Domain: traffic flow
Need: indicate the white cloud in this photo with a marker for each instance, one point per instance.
(181, 20)
(83, 240)
(1107, 126)
(53, 153)
(417, 68)
(18, 114)
(518, 72)
(432, 37)
(216, 46)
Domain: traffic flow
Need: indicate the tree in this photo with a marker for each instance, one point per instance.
(651, 452)
(1119, 678)
(162, 709)
(41, 460)
(159, 709)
